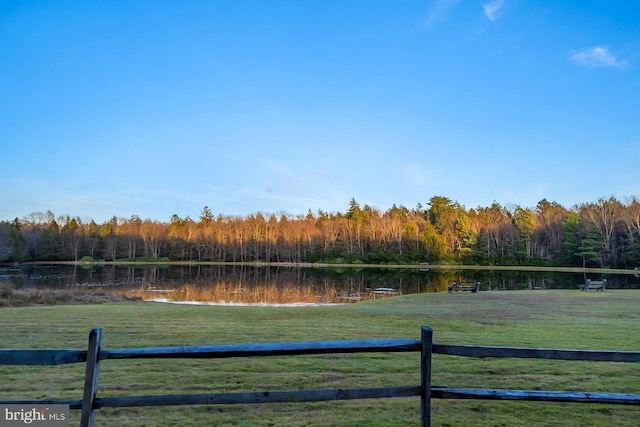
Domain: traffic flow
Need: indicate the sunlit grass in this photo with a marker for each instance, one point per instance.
(557, 319)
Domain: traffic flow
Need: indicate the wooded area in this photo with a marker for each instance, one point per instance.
(601, 234)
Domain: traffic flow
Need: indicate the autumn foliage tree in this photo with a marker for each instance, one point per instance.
(602, 233)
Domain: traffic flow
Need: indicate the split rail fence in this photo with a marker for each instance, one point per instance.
(94, 355)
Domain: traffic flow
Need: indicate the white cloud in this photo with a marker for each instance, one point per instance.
(595, 57)
(417, 175)
(505, 192)
(280, 177)
(491, 9)
(439, 11)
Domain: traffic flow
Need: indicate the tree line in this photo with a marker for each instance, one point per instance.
(605, 233)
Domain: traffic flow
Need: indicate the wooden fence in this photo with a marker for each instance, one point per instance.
(94, 355)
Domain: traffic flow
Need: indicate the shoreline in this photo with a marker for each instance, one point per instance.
(422, 266)
(240, 304)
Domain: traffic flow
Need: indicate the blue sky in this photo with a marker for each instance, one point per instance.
(157, 108)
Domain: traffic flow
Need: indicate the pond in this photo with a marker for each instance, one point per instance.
(246, 284)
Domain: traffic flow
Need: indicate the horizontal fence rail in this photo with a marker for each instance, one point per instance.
(535, 395)
(42, 357)
(537, 353)
(259, 350)
(94, 355)
(259, 397)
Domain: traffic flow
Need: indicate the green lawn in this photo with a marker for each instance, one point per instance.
(557, 319)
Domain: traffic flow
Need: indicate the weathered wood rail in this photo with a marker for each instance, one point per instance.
(95, 355)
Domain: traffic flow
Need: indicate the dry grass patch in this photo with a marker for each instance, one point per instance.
(12, 297)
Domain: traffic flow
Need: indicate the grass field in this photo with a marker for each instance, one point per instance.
(556, 319)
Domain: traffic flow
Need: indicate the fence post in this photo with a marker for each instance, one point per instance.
(91, 377)
(425, 376)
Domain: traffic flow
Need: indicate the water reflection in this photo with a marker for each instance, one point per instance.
(288, 284)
